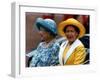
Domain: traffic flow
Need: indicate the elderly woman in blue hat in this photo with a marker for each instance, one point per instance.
(46, 53)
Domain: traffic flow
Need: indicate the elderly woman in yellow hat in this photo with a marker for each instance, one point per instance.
(72, 51)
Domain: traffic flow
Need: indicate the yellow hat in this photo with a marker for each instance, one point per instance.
(71, 21)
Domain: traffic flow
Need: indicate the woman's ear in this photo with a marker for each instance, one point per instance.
(77, 34)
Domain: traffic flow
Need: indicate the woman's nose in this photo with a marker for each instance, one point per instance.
(41, 32)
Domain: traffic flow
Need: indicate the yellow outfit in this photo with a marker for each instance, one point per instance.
(77, 56)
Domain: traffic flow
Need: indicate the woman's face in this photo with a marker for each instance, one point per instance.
(45, 36)
(71, 33)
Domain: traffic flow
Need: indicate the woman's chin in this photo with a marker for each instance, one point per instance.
(42, 39)
(71, 40)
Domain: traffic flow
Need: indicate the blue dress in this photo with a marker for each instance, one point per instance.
(45, 54)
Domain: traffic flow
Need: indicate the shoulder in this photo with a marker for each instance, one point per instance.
(81, 45)
(41, 43)
(80, 48)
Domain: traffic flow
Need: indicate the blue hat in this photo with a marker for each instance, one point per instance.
(47, 24)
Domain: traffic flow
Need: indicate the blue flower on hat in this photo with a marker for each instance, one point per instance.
(47, 24)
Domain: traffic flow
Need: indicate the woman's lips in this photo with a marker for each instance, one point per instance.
(69, 37)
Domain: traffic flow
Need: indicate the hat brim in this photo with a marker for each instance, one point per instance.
(74, 22)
